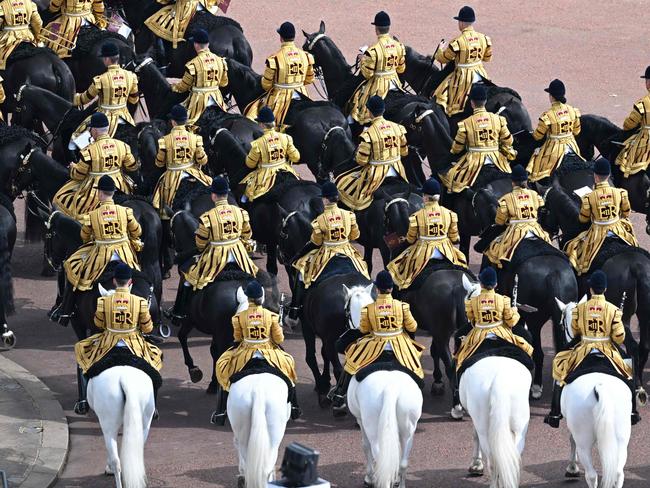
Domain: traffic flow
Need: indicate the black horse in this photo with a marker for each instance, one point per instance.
(211, 309)
(154, 87)
(627, 268)
(40, 67)
(7, 240)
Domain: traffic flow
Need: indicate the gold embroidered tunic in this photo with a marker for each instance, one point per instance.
(518, 210)
(559, 125)
(490, 313)
(608, 209)
(380, 152)
(171, 21)
(108, 232)
(468, 51)
(20, 22)
(432, 230)
(381, 65)
(599, 325)
(73, 15)
(386, 323)
(105, 156)
(486, 139)
(635, 155)
(258, 332)
(123, 318)
(269, 154)
(332, 231)
(181, 153)
(223, 236)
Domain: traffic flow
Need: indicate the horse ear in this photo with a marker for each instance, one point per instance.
(560, 304)
(305, 34)
(466, 283)
(369, 288)
(241, 296)
(583, 299)
(103, 291)
(321, 28)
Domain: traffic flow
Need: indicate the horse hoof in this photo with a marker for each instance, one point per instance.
(437, 389)
(196, 375)
(155, 415)
(339, 412)
(165, 331)
(81, 408)
(9, 340)
(367, 485)
(457, 412)
(572, 472)
(536, 392)
(476, 469)
(323, 401)
(641, 396)
(241, 482)
(213, 388)
(108, 472)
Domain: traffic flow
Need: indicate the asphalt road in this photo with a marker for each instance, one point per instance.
(599, 49)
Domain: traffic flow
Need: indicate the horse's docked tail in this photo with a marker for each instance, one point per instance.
(132, 448)
(504, 456)
(605, 417)
(388, 455)
(256, 471)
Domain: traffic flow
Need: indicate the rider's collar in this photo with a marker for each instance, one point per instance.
(114, 66)
(179, 127)
(479, 109)
(330, 205)
(103, 136)
(602, 184)
(556, 103)
(123, 289)
(287, 43)
(220, 202)
(468, 28)
(108, 201)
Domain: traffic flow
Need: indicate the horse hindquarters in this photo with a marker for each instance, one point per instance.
(597, 408)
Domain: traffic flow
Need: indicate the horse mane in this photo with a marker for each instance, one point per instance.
(186, 193)
(421, 61)
(154, 125)
(7, 202)
(232, 272)
(285, 186)
(13, 133)
(88, 38)
(72, 120)
(128, 135)
(207, 21)
(393, 186)
(397, 100)
(67, 226)
(213, 115)
(497, 90)
(487, 175)
(121, 198)
(300, 104)
(25, 50)
(337, 54)
(572, 163)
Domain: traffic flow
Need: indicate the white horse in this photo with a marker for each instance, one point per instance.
(258, 412)
(123, 396)
(387, 406)
(597, 408)
(494, 392)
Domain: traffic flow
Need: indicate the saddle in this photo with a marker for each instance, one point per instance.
(259, 366)
(338, 265)
(122, 356)
(387, 362)
(594, 363)
(436, 265)
(499, 348)
(532, 248)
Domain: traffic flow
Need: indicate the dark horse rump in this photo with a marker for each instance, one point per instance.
(436, 265)
(387, 362)
(614, 246)
(499, 348)
(532, 248)
(26, 50)
(122, 356)
(90, 38)
(260, 366)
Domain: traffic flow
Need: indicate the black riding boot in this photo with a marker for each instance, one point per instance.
(81, 407)
(65, 311)
(636, 418)
(219, 416)
(297, 295)
(179, 311)
(555, 415)
(296, 411)
(340, 392)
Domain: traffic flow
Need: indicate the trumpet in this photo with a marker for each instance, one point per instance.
(57, 40)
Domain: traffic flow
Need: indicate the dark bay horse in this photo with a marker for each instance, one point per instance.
(627, 269)
(211, 309)
(154, 87)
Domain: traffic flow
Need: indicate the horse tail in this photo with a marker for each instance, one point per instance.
(7, 292)
(132, 448)
(605, 417)
(256, 471)
(504, 456)
(387, 458)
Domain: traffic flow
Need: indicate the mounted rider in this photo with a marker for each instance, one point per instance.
(381, 148)
(103, 156)
(432, 232)
(484, 138)
(558, 126)
(331, 236)
(468, 51)
(286, 75)
(171, 21)
(517, 217)
(270, 154)
(223, 236)
(490, 316)
(20, 22)
(60, 34)
(115, 89)
(635, 155)
(203, 76)
(182, 155)
(598, 327)
(110, 233)
(608, 209)
(257, 333)
(381, 65)
(387, 325)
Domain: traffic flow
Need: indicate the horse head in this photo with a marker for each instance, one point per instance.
(567, 315)
(295, 231)
(396, 215)
(183, 225)
(356, 298)
(23, 177)
(472, 288)
(337, 149)
(429, 125)
(484, 205)
(227, 154)
(242, 299)
(62, 237)
(312, 39)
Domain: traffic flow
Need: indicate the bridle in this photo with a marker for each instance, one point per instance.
(55, 132)
(282, 258)
(323, 149)
(24, 169)
(48, 243)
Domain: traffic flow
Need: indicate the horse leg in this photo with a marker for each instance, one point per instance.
(213, 387)
(272, 258)
(196, 374)
(572, 470)
(465, 240)
(406, 441)
(437, 387)
(584, 455)
(309, 337)
(538, 358)
(370, 462)
(367, 256)
(477, 467)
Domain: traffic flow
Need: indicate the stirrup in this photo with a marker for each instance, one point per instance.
(635, 418)
(218, 418)
(296, 412)
(457, 412)
(81, 407)
(553, 420)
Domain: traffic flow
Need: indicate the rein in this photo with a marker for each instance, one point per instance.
(323, 148)
(285, 221)
(48, 243)
(394, 201)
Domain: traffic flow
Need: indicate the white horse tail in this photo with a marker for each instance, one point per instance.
(605, 416)
(132, 448)
(504, 456)
(259, 453)
(387, 456)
